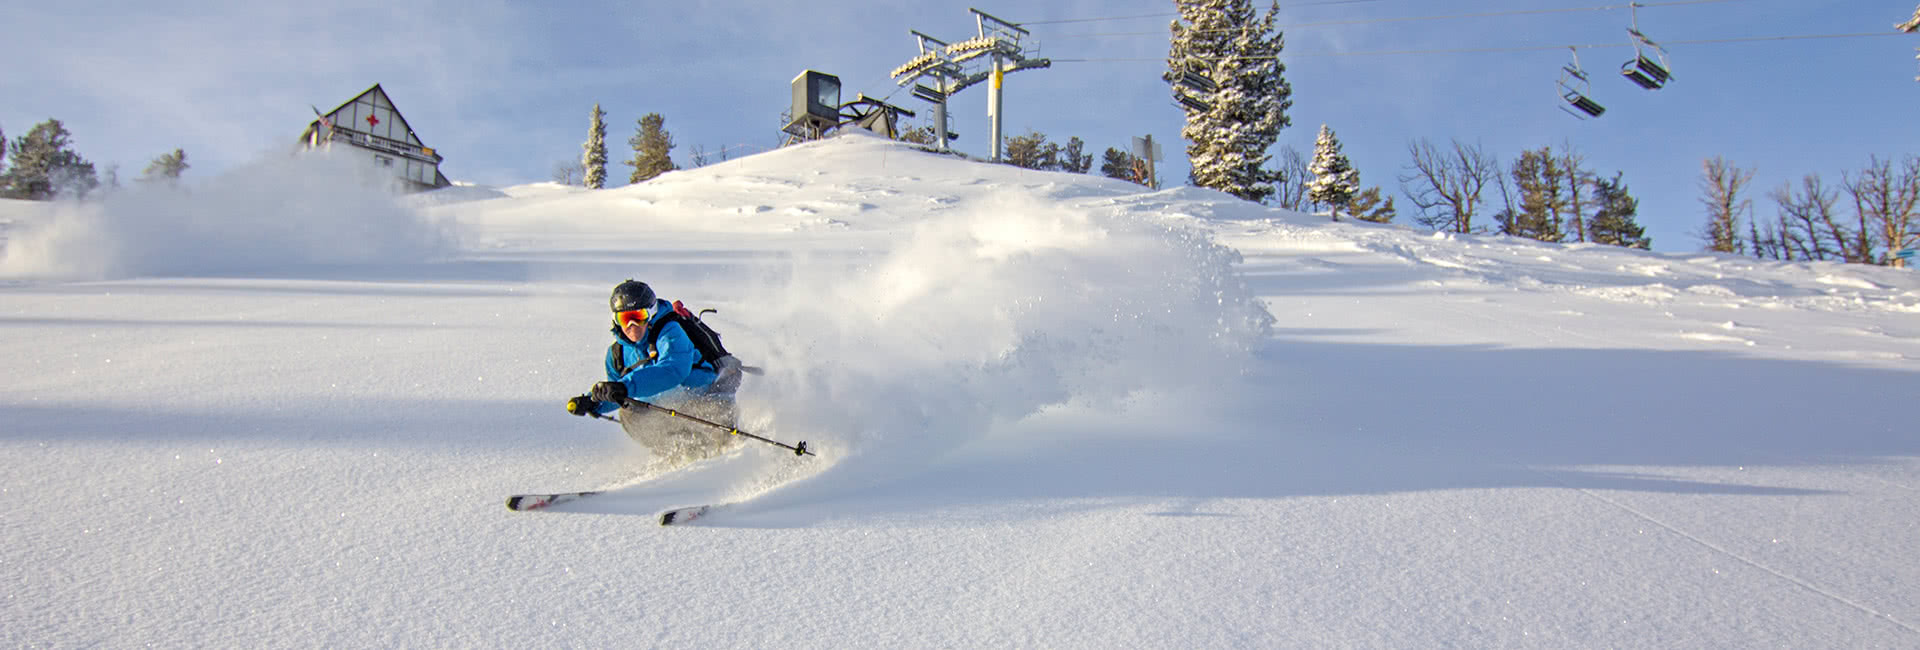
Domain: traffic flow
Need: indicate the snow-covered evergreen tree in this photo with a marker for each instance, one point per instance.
(594, 160)
(1335, 181)
(1238, 52)
(1910, 26)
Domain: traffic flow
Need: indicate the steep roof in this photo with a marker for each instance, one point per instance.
(345, 118)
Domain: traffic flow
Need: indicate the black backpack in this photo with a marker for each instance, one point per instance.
(704, 339)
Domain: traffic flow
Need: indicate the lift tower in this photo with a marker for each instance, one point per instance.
(999, 47)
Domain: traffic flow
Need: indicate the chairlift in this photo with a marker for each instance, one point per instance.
(1192, 102)
(1197, 81)
(1189, 83)
(1574, 87)
(873, 115)
(1650, 72)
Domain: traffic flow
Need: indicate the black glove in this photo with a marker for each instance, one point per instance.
(582, 405)
(610, 391)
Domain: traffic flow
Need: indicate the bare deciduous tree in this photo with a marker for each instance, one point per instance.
(1887, 199)
(1721, 184)
(1290, 180)
(568, 172)
(1445, 186)
(1809, 227)
(1579, 199)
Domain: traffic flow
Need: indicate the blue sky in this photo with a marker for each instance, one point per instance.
(503, 88)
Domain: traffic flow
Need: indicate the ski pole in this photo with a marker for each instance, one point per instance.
(798, 450)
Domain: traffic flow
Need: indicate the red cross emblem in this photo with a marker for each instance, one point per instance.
(373, 121)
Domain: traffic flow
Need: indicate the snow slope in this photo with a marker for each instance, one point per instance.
(1052, 411)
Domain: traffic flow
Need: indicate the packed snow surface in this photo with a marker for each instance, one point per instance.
(274, 410)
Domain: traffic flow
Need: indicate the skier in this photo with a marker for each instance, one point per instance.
(655, 358)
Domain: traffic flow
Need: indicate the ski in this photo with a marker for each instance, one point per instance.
(678, 516)
(524, 502)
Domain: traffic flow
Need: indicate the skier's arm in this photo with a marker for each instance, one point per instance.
(675, 360)
(615, 359)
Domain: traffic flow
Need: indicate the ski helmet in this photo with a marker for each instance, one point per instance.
(631, 295)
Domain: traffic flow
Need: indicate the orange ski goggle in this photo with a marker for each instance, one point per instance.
(636, 316)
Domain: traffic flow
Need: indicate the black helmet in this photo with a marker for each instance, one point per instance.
(631, 295)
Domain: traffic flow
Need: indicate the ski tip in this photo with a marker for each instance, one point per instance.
(523, 502)
(678, 516)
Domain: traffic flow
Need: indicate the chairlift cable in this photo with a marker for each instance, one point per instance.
(1166, 14)
(1531, 48)
(1403, 19)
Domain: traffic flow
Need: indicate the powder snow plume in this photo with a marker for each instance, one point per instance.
(279, 213)
(987, 314)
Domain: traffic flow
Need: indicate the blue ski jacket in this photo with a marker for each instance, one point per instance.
(668, 366)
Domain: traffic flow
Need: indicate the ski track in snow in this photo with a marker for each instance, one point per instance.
(1802, 583)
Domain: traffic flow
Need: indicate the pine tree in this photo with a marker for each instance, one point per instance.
(1122, 165)
(594, 156)
(1613, 222)
(1368, 206)
(1031, 151)
(1766, 246)
(3, 149)
(652, 147)
(1229, 132)
(1074, 158)
(1335, 181)
(923, 136)
(45, 167)
(1542, 181)
(1910, 26)
(1721, 184)
(166, 168)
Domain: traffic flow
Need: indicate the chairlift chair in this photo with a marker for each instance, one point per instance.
(1197, 81)
(1189, 85)
(1574, 87)
(1192, 102)
(1649, 72)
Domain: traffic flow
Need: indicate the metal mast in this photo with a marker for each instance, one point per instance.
(997, 49)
